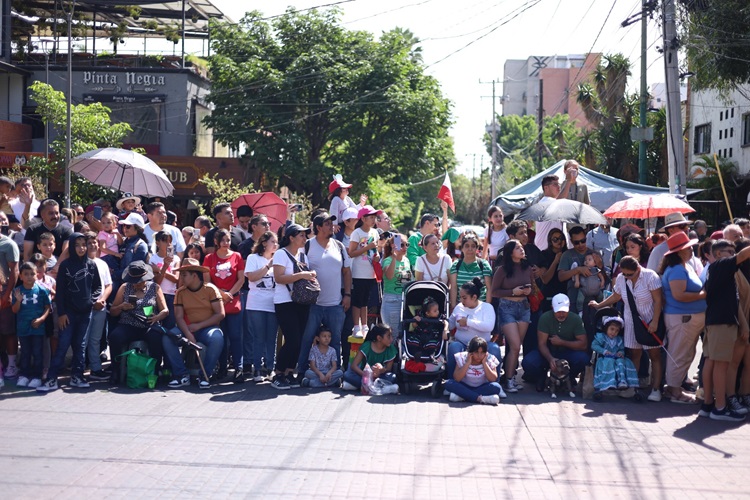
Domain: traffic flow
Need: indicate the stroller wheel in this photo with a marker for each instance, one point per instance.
(638, 396)
(598, 396)
(436, 390)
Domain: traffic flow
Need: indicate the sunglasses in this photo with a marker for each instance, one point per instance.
(80, 214)
(556, 239)
(579, 242)
(264, 223)
(127, 226)
(628, 275)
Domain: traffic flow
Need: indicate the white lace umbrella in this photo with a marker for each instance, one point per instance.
(123, 170)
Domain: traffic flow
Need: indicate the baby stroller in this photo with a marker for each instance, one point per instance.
(595, 357)
(422, 355)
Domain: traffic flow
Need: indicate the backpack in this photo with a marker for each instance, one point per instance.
(303, 292)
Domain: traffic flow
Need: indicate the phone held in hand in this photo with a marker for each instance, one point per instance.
(5, 230)
(98, 212)
(132, 299)
(397, 242)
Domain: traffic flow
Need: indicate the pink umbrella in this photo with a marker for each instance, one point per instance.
(266, 203)
(647, 206)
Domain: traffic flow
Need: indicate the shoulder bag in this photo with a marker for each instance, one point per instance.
(640, 327)
(303, 292)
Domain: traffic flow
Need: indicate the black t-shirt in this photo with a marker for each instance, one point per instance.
(533, 254)
(721, 293)
(236, 234)
(246, 248)
(60, 232)
(554, 286)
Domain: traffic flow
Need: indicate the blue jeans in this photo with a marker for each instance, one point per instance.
(456, 346)
(315, 380)
(247, 336)
(232, 328)
(535, 366)
(211, 337)
(331, 317)
(31, 355)
(94, 334)
(511, 311)
(356, 380)
(73, 336)
(170, 322)
(390, 312)
(262, 327)
(469, 393)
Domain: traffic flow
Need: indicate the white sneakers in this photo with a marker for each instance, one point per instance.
(455, 398)
(359, 331)
(655, 395)
(490, 400)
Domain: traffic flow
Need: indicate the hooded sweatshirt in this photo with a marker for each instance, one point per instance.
(77, 281)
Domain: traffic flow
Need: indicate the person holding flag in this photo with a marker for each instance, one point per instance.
(431, 224)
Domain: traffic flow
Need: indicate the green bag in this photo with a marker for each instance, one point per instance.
(140, 369)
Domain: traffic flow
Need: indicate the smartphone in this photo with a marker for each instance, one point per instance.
(132, 299)
(5, 230)
(527, 285)
(170, 253)
(97, 212)
(196, 232)
(397, 242)
(297, 207)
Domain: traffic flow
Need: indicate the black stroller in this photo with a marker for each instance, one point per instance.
(422, 353)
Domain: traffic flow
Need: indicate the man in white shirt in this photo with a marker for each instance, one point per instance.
(328, 258)
(157, 221)
(98, 311)
(551, 189)
(603, 239)
(25, 205)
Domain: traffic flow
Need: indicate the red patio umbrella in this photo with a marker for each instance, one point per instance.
(266, 203)
(647, 206)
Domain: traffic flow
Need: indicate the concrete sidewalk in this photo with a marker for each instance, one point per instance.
(253, 441)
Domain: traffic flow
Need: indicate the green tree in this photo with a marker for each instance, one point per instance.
(716, 35)
(308, 98)
(91, 128)
(611, 111)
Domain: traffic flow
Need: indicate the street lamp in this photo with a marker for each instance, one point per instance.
(68, 140)
(492, 130)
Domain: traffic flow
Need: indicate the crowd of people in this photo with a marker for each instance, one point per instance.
(280, 306)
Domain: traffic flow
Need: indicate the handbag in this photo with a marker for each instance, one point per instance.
(303, 292)
(640, 327)
(140, 368)
(536, 297)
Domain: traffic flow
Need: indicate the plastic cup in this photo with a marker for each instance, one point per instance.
(152, 381)
(148, 310)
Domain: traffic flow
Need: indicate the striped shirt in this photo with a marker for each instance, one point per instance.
(478, 269)
(647, 281)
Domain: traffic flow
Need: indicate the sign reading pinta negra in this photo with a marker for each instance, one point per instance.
(131, 78)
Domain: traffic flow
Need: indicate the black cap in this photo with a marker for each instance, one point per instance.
(295, 229)
(320, 219)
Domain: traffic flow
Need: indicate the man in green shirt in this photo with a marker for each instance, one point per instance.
(428, 224)
(561, 335)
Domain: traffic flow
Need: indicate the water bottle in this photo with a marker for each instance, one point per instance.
(366, 380)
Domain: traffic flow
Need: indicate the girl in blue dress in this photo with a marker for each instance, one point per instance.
(613, 370)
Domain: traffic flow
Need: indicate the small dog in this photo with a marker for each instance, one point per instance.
(558, 379)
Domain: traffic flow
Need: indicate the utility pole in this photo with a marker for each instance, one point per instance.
(492, 130)
(69, 139)
(540, 126)
(675, 146)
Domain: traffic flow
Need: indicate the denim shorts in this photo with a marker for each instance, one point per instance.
(510, 311)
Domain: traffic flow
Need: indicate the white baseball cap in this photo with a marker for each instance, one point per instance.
(350, 213)
(560, 303)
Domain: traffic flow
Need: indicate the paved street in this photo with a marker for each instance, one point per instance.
(249, 441)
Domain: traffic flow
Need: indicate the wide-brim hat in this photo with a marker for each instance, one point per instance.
(679, 241)
(674, 219)
(190, 264)
(133, 219)
(137, 272)
(126, 197)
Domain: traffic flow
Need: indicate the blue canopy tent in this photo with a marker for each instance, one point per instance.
(603, 189)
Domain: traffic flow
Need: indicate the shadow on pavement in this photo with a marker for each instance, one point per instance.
(701, 429)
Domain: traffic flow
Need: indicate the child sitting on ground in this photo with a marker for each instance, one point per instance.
(423, 340)
(378, 352)
(323, 371)
(613, 370)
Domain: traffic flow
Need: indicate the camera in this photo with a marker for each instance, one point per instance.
(385, 235)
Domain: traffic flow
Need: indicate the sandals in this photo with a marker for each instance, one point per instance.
(683, 399)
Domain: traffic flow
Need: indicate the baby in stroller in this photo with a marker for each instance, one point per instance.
(424, 339)
(613, 370)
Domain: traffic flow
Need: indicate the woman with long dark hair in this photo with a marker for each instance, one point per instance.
(512, 284)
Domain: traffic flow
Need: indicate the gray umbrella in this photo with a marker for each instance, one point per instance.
(563, 211)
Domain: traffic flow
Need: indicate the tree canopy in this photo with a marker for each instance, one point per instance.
(716, 35)
(308, 98)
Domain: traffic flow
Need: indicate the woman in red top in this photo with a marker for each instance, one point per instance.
(226, 271)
